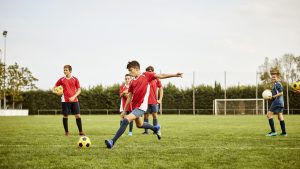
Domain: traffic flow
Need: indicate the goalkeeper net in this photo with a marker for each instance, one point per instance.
(239, 106)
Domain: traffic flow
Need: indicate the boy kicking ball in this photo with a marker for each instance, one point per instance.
(138, 94)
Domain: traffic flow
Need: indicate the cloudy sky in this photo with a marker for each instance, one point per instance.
(99, 37)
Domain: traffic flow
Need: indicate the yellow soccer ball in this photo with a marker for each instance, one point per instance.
(59, 90)
(295, 85)
(84, 142)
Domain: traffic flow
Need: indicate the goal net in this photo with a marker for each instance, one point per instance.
(239, 107)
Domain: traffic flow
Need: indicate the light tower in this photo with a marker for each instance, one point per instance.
(4, 71)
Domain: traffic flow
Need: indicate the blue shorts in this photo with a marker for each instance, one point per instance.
(70, 108)
(276, 109)
(152, 108)
(138, 112)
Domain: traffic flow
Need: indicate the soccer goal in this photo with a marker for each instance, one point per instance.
(239, 107)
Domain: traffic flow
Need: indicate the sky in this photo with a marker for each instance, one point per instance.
(99, 37)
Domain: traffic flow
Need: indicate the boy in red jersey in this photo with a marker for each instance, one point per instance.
(153, 103)
(138, 94)
(70, 104)
(124, 95)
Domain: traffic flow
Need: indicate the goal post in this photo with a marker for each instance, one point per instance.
(239, 107)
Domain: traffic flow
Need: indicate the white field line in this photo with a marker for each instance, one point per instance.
(170, 148)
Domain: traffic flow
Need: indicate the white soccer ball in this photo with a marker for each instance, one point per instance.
(267, 94)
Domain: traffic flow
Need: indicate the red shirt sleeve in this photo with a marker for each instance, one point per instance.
(58, 83)
(150, 76)
(77, 83)
(158, 83)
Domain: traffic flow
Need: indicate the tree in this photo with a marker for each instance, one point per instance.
(18, 79)
(1, 81)
(264, 70)
(288, 65)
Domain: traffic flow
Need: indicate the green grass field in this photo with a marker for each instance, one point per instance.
(188, 142)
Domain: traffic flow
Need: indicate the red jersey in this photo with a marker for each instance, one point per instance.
(140, 88)
(123, 88)
(154, 84)
(70, 87)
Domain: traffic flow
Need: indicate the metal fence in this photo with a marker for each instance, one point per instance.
(165, 111)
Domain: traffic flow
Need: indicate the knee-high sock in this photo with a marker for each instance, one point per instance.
(155, 122)
(146, 121)
(79, 125)
(148, 126)
(282, 125)
(130, 126)
(65, 123)
(271, 123)
(121, 130)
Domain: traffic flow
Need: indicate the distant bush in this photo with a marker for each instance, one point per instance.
(100, 97)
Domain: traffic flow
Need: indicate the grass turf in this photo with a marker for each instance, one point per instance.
(188, 142)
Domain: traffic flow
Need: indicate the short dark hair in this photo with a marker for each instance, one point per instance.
(69, 67)
(150, 69)
(127, 75)
(274, 71)
(133, 64)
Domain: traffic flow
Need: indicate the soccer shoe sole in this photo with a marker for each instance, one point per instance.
(271, 135)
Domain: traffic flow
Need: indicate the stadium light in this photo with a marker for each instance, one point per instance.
(4, 62)
(256, 91)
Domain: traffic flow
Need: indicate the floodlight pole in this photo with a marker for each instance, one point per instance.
(287, 94)
(225, 93)
(160, 105)
(193, 93)
(256, 94)
(4, 72)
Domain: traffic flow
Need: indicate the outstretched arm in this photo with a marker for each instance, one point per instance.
(165, 76)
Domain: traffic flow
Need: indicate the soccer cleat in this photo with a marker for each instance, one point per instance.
(145, 132)
(271, 134)
(67, 133)
(109, 143)
(283, 134)
(81, 134)
(157, 132)
(130, 134)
